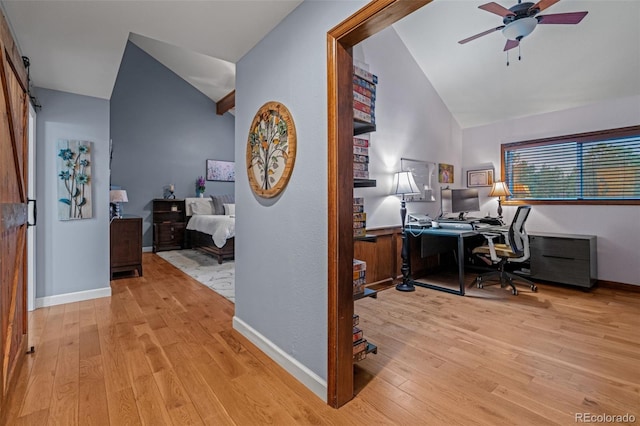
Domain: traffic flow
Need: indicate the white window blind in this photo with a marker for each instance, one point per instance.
(603, 166)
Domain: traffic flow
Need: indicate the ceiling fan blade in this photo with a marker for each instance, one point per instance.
(543, 4)
(562, 18)
(511, 44)
(497, 9)
(466, 40)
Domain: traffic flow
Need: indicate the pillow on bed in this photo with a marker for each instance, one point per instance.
(201, 207)
(219, 200)
(229, 209)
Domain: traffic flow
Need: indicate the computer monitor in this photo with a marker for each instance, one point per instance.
(460, 201)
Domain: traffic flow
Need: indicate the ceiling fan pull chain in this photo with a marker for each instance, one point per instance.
(519, 56)
(507, 58)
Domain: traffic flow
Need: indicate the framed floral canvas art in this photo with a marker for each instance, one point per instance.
(224, 171)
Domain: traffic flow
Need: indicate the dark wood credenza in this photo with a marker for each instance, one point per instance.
(126, 245)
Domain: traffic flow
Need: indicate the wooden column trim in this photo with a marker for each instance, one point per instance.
(226, 103)
(372, 18)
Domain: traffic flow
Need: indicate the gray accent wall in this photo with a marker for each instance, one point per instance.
(281, 243)
(73, 255)
(163, 130)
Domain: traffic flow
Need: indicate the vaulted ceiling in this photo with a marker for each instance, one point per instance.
(77, 47)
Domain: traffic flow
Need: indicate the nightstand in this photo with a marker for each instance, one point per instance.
(126, 245)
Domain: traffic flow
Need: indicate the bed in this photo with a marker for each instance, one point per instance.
(211, 225)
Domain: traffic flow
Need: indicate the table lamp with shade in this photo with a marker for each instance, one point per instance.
(404, 184)
(499, 189)
(116, 197)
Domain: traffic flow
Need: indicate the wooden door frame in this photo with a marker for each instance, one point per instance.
(372, 18)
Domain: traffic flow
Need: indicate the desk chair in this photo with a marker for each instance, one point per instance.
(515, 251)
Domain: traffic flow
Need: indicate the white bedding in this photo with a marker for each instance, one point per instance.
(220, 227)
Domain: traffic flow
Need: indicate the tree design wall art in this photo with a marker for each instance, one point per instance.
(271, 149)
(74, 179)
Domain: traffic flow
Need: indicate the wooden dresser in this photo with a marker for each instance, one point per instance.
(126, 245)
(168, 224)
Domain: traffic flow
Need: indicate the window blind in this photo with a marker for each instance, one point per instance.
(601, 167)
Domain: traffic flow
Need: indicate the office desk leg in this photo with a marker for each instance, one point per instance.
(407, 282)
(461, 264)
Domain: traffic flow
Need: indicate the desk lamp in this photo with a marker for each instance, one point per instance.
(499, 189)
(404, 184)
(117, 196)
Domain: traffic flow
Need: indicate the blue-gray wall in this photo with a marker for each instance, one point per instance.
(72, 256)
(163, 130)
(281, 243)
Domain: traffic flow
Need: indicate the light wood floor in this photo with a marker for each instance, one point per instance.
(161, 351)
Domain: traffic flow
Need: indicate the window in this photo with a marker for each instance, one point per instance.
(588, 168)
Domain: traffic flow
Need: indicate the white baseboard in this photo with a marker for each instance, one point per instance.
(147, 249)
(79, 296)
(307, 377)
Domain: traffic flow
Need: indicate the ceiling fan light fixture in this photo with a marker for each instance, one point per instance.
(520, 28)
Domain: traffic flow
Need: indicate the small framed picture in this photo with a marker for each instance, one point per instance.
(445, 173)
(481, 177)
(221, 170)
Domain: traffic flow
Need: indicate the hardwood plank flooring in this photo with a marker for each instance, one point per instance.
(161, 351)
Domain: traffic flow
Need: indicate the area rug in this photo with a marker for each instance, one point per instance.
(205, 269)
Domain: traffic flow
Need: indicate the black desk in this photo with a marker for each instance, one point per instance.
(460, 234)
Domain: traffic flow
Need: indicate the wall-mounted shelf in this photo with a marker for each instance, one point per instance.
(364, 183)
(367, 293)
(360, 127)
(369, 238)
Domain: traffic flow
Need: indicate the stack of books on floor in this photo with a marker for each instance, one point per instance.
(359, 276)
(360, 158)
(364, 95)
(359, 218)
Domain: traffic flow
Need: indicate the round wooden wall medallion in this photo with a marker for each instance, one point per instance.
(271, 149)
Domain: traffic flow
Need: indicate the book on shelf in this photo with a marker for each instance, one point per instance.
(361, 166)
(365, 100)
(360, 142)
(359, 216)
(356, 319)
(371, 94)
(359, 265)
(360, 356)
(361, 72)
(359, 232)
(359, 346)
(359, 274)
(359, 224)
(361, 150)
(358, 200)
(358, 208)
(358, 81)
(357, 334)
(360, 158)
(363, 116)
(361, 174)
(368, 109)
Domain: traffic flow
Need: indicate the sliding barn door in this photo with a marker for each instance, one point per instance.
(13, 212)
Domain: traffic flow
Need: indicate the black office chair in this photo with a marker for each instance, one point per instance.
(515, 251)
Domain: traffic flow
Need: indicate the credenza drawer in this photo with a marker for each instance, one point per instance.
(566, 270)
(560, 247)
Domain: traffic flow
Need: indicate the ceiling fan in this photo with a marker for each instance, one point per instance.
(520, 20)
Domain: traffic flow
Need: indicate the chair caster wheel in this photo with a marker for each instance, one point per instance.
(534, 288)
(514, 292)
